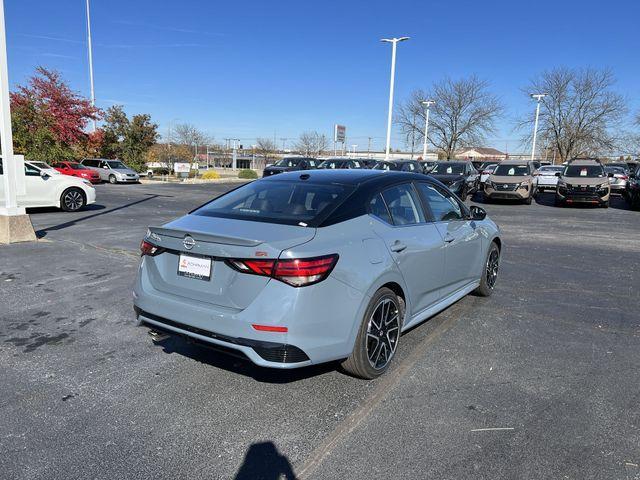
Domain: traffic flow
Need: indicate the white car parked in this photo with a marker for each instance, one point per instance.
(46, 187)
(547, 179)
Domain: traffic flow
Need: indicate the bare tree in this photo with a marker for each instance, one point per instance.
(189, 134)
(580, 115)
(312, 143)
(266, 148)
(463, 114)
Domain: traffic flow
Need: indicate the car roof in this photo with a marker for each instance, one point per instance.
(584, 161)
(352, 177)
(514, 162)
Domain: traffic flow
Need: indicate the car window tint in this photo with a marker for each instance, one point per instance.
(288, 203)
(378, 209)
(30, 171)
(443, 206)
(404, 206)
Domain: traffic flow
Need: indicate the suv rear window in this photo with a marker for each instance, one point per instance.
(289, 203)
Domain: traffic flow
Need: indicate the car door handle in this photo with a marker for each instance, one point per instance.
(449, 238)
(398, 246)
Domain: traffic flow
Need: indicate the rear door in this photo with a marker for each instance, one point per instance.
(415, 244)
(463, 244)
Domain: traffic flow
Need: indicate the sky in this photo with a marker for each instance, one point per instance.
(277, 68)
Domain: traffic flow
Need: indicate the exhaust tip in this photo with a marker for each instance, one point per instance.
(157, 336)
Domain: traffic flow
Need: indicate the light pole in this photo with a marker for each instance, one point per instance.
(394, 42)
(353, 147)
(427, 104)
(538, 97)
(284, 141)
(93, 98)
(15, 225)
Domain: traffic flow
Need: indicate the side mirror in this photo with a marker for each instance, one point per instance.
(106, 167)
(477, 213)
(44, 174)
(558, 174)
(610, 174)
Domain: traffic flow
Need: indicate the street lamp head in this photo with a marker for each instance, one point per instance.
(538, 96)
(427, 103)
(394, 40)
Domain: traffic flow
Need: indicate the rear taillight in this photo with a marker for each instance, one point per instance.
(149, 249)
(298, 272)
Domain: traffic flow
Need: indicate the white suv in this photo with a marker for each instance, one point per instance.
(46, 187)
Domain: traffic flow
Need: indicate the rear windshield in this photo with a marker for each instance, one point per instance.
(550, 169)
(588, 171)
(448, 169)
(511, 171)
(290, 203)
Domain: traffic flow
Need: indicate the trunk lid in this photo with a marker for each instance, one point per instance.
(218, 239)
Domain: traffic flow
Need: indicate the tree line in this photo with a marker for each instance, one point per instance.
(581, 114)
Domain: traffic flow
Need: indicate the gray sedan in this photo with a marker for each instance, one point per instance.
(307, 267)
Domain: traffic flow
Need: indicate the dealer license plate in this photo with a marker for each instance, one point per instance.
(198, 268)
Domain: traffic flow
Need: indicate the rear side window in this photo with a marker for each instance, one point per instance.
(443, 205)
(290, 203)
(403, 205)
(378, 209)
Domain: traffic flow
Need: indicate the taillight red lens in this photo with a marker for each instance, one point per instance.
(298, 272)
(149, 249)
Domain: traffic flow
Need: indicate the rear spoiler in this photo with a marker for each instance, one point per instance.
(205, 237)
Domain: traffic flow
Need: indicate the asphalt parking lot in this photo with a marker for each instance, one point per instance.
(542, 380)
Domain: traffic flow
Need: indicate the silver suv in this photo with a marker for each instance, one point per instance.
(112, 171)
(583, 181)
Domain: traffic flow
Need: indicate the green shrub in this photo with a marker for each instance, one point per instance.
(210, 175)
(247, 174)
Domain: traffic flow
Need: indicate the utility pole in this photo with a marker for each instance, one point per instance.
(89, 48)
(284, 140)
(538, 97)
(15, 225)
(369, 147)
(394, 42)
(427, 104)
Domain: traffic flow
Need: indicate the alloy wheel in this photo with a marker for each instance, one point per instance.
(493, 262)
(73, 200)
(383, 331)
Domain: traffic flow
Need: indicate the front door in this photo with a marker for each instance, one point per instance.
(463, 244)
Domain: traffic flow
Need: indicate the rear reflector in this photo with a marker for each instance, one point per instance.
(270, 328)
(297, 272)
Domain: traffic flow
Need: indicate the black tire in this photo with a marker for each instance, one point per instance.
(527, 201)
(605, 204)
(359, 363)
(112, 179)
(557, 202)
(72, 199)
(490, 271)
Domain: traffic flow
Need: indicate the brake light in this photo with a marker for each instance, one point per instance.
(298, 272)
(149, 249)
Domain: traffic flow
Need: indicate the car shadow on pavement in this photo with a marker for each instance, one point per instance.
(240, 364)
(263, 460)
(43, 232)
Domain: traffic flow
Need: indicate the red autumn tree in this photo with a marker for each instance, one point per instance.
(49, 119)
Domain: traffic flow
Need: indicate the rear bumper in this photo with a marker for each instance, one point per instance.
(320, 321)
(276, 354)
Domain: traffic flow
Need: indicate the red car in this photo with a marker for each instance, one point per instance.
(75, 169)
